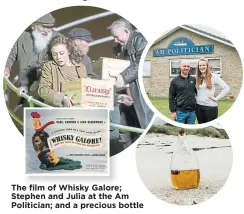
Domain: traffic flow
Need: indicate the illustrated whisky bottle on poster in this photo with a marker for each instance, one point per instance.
(185, 172)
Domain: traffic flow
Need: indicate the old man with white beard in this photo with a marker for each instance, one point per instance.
(31, 50)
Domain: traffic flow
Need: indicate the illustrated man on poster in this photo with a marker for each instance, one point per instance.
(48, 158)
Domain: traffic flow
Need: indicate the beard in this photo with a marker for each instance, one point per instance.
(41, 40)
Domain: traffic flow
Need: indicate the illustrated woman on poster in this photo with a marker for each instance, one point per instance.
(61, 69)
(206, 83)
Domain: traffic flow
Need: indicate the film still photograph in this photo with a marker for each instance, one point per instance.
(80, 57)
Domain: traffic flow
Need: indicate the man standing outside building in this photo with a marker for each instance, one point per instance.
(30, 50)
(182, 93)
(133, 44)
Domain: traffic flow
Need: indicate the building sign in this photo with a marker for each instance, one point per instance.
(183, 46)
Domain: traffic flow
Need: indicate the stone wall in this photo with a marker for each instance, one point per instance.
(158, 84)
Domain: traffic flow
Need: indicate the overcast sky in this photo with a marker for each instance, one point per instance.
(209, 30)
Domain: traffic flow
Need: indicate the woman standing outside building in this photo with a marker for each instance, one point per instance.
(206, 82)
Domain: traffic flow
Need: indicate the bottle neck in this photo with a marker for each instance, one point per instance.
(182, 140)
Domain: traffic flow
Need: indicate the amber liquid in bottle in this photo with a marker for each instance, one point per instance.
(185, 179)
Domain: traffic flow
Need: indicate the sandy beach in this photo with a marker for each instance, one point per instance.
(153, 158)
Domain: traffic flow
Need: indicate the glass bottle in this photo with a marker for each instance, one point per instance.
(185, 173)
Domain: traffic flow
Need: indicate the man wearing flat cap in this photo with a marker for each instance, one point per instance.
(80, 39)
(30, 51)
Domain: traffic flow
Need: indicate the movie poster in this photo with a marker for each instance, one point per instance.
(67, 141)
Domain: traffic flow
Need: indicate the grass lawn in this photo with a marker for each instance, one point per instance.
(162, 105)
(173, 130)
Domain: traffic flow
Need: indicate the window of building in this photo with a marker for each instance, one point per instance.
(214, 63)
(146, 69)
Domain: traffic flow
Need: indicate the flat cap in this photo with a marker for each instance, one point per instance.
(46, 20)
(80, 33)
